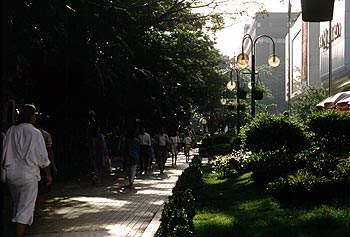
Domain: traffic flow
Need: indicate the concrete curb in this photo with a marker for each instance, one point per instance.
(154, 225)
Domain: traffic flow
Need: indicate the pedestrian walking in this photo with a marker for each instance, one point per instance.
(133, 156)
(24, 153)
(188, 142)
(174, 143)
(163, 142)
(98, 153)
(145, 149)
(43, 189)
(122, 149)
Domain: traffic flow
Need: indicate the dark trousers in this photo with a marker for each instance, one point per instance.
(144, 157)
(162, 157)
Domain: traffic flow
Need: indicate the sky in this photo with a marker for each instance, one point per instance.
(226, 42)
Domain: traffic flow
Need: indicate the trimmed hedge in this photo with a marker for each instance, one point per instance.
(331, 130)
(270, 165)
(178, 212)
(271, 132)
(221, 144)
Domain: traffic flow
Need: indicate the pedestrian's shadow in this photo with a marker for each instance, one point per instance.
(126, 190)
(163, 176)
(158, 176)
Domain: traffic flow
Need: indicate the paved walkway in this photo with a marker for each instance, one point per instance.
(80, 209)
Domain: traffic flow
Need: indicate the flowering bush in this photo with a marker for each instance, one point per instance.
(227, 165)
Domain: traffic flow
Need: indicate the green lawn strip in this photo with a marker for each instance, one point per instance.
(237, 207)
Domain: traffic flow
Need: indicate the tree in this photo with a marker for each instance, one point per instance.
(305, 104)
(124, 59)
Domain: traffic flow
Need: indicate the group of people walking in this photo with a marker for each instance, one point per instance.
(139, 151)
(29, 164)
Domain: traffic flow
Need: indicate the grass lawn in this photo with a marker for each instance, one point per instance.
(237, 207)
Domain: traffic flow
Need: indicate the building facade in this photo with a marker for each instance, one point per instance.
(338, 50)
(302, 61)
(311, 47)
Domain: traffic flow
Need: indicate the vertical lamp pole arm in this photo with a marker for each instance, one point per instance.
(238, 105)
(288, 67)
(248, 36)
(231, 75)
(253, 78)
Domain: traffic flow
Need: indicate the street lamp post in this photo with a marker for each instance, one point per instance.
(243, 60)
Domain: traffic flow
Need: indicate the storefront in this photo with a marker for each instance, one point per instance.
(310, 52)
(339, 50)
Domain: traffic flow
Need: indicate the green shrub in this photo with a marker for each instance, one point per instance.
(196, 161)
(341, 177)
(220, 149)
(304, 105)
(270, 132)
(177, 215)
(179, 211)
(191, 178)
(221, 144)
(342, 171)
(302, 186)
(331, 129)
(271, 165)
(227, 165)
(310, 184)
(217, 139)
(236, 143)
(182, 231)
(319, 162)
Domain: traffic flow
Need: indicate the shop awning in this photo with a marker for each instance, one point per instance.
(339, 101)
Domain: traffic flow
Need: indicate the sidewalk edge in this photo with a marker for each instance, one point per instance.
(154, 225)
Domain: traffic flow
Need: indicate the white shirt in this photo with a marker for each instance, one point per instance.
(174, 140)
(24, 152)
(187, 141)
(145, 139)
(47, 137)
(163, 139)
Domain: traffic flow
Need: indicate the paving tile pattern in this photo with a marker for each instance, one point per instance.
(81, 209)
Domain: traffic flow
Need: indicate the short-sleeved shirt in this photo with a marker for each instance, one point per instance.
(187, 141)
(47, 137)
(145, 139)
(24, 152)
(163, 139)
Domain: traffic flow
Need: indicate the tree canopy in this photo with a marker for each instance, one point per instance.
(140, 58)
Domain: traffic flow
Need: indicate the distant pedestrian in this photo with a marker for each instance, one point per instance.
(153, 152)
(24, 154)
(174, 150)
(43, 189)
(163, 142)
(98, 153)
(122, 149)
(133, 156)
(145, 149)
(188, 142)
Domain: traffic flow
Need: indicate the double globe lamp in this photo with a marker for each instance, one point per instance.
(243, 61)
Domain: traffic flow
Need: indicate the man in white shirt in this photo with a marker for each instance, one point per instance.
(24, 153)
(145, 148)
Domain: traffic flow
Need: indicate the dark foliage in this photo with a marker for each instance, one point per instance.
(331, 130)
(271, 132)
